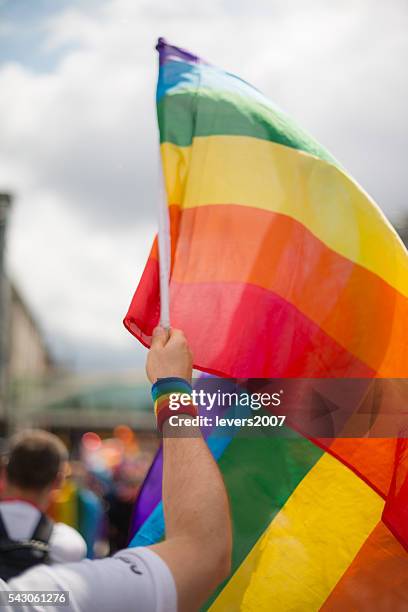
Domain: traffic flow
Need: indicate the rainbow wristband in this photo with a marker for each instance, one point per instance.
(172, 384)
(163, 392)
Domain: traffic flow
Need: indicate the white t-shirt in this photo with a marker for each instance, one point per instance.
(135, 579)
(20, 519)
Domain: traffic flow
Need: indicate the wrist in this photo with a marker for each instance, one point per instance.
(172, 396)
(170, 384)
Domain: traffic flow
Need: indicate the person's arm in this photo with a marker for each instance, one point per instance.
(197, 548)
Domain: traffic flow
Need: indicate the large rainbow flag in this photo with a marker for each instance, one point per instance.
(281, 267)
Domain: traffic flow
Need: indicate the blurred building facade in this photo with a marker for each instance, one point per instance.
(29, 357)
(30, 367)
(25, 361)
(5, 202)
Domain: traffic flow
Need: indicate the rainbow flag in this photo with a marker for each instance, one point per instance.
(281, 267)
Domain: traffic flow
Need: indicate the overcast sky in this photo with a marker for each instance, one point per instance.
(78, 138)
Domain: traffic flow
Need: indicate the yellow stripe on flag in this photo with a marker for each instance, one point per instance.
(269, 176)
(308, 545)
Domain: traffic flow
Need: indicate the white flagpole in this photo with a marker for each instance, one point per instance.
(164, 251)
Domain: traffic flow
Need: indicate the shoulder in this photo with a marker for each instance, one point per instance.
(66, 544)
(142, 571)
(137, 575)
(156, 575)
(146, 561)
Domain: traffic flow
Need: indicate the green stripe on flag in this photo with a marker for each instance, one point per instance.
(187, 114)
(260, 475)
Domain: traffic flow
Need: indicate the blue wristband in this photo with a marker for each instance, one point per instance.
(172, 384)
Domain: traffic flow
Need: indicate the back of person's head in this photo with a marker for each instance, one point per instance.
(36, 459)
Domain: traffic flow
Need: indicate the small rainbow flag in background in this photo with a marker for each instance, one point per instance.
(282, 267)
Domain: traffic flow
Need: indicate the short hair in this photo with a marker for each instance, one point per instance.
(35, 459)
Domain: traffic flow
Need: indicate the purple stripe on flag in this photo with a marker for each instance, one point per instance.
(150, 493)
(169, 52)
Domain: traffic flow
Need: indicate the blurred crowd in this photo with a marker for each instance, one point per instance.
(97, 495)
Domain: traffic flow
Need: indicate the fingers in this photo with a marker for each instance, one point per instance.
(177, 337)
(178, 341)
(162, 336)
(159, 337)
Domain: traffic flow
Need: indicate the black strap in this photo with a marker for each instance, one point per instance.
(3, 530)
(16, 556)
(44, 528)
(42, 532)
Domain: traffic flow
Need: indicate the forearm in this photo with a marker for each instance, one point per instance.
(197, 547)
(194, 497)
(198, 541)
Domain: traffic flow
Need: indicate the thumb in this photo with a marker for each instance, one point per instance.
(159, 337)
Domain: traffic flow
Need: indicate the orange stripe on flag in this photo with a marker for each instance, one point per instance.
(229, 243)
(376, 580)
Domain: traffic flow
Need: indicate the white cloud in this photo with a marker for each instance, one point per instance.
(79, 281)
(79, 143)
